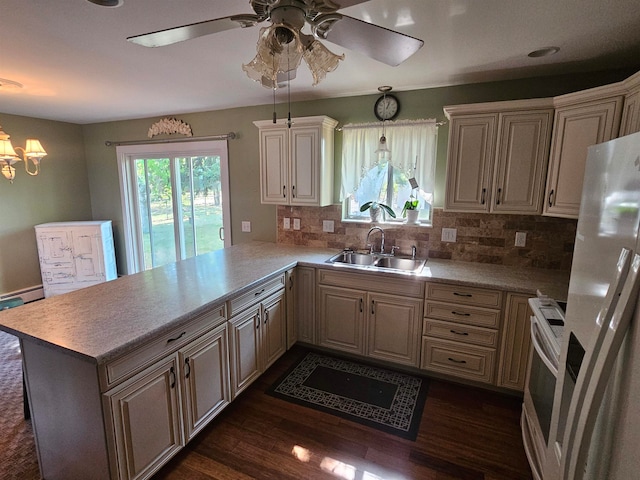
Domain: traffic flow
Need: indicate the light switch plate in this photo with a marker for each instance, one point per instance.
(449, 234)
(296, 224)
(287, 223)
(246, 226)
(327, 226)
(521, 239)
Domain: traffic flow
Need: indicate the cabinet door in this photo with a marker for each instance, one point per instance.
(521, 162)
(205, 373)
(341, 319)
(274, 329)
(290, 294)
(516, 343)
(304, 164)
(146, 419)
(469, 162)
(244, 338)
(576, 129)
(274, 153)
(305, 311)
(394, 328)
(631, 114)
(87, 254)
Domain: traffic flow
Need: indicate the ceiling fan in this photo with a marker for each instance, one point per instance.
(282, 45)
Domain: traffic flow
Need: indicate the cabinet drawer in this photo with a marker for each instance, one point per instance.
(482, 317)
(256, 294)
(126, 366)
(460, 333)
(371, 283)
(465, 361)
(464, 295)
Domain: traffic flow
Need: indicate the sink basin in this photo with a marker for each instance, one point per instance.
(353, 258)
(379, 262)
(400, 263)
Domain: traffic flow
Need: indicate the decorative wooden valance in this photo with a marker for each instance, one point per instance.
(170, 126)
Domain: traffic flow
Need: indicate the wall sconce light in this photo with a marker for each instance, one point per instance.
(33, 151)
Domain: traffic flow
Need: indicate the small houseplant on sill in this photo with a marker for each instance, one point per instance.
(375, 208)
(410, 210)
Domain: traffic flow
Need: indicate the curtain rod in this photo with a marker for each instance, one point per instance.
(397, 123)
(224, 136)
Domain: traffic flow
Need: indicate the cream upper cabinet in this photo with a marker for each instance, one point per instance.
(296, 164)
(582, 119)
(497, 156)
(631, 111)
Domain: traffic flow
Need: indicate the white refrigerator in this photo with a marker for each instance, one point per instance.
(609, 220)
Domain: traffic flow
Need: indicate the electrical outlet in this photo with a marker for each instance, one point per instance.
(327, 226)
(521, 239)
(287, 223)
(449, 234)
(296, 224)
(246, 226)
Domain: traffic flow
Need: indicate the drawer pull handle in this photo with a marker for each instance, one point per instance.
(468, 295)
(457, 361)
(259, 293)
(373, 312)
(284, 191)
(484, 191)
(177, 338)
(266, 316)
(551, 198)
(461, 314)
(172, 375)
(361, 305)
(257, 318)
(187, 367)
(458, 333)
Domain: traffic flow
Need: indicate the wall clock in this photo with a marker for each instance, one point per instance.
(387, 106)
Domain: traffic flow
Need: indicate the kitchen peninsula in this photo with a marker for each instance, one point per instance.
(95, 358)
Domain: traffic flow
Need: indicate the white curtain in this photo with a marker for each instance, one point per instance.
(413, 151)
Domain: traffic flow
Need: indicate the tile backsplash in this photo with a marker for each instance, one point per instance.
(480, 237)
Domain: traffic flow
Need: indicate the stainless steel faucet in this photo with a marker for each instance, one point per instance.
(381, 240)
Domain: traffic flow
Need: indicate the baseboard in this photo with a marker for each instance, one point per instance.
(30, 294)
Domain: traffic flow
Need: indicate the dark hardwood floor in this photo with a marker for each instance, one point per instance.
(465, 433)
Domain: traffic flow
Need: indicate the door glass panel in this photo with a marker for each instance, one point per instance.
(156, 211)
(201, 201)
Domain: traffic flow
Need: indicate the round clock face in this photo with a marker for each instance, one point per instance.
(387, 107)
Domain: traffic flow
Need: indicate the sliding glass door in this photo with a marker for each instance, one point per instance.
(177, 201)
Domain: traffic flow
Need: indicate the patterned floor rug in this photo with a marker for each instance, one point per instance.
(384, 399)
(17, 448)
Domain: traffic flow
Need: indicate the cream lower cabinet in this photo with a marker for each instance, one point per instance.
(258, 333)
(379, 325)
(461, 331)
(155, 412)
(515, 343)
(305, 305)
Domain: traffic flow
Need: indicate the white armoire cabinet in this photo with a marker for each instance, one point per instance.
(75, 255)
(296, 163)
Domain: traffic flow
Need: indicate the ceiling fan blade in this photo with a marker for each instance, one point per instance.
(347, 3)
(187, 32)
(386, 46)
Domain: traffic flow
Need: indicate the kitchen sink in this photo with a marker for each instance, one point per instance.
(379, 262)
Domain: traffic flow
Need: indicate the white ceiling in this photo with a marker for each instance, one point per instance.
(76, 66)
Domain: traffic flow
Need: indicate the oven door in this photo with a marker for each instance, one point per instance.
(538, 399)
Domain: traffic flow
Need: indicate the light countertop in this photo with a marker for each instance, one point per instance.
(107, 320)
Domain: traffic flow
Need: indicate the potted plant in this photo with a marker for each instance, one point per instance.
(375, 208)
(410, 210)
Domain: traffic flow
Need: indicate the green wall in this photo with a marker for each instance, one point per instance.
(79, 179)
(59, 193)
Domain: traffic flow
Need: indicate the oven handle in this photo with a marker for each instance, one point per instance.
(535, 339)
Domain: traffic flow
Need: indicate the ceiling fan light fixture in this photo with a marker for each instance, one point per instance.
(275, 58)
(320, 60)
